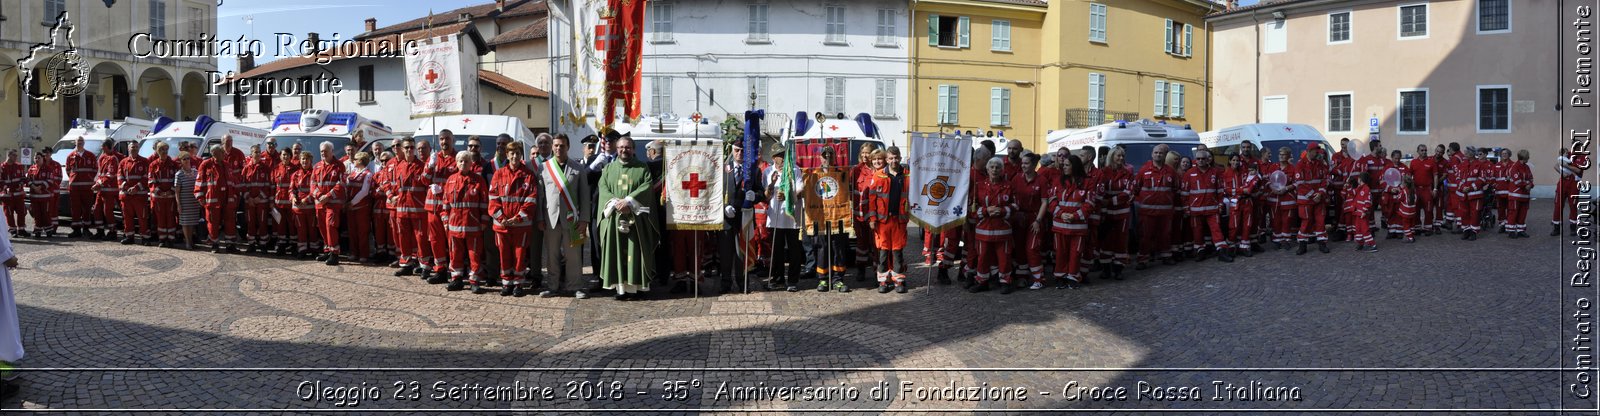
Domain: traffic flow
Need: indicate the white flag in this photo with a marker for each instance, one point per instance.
(693, 183)
(940, 180)
(433, 77)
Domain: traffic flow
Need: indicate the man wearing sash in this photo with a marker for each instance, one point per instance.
(629, 232)
(567, 209)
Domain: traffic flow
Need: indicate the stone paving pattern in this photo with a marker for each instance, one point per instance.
(1441, 302)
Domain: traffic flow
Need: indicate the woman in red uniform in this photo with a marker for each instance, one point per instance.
(1358, 200)
(134, 192)
(358, 212)
(44, 178)
(1068, 209)
(992, 208)
(514, 205)
(1241, 185)
(327, 192)
(465, 202)
(1030, 187)
(215, 188)
(1284, 206)
(1519, 179)
(304, 207)
(106, 188)
(164, 205)
(13, 177)
(287, 226)
(255, 193)
(1116, 187)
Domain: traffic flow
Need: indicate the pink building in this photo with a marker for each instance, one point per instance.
(1477, 72)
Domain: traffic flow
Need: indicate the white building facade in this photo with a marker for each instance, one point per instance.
(791, 56)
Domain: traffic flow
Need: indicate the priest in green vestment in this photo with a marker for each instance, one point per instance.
(629, 232)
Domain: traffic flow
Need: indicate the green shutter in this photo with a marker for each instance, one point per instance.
(933, 30)
(966, 32)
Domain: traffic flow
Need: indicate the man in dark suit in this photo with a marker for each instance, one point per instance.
(731, 265)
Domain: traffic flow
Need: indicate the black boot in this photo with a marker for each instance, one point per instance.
(1116, 272)
(1250, 252)
(437, 278)
(900, 287)
(1555, 230)
(1302, 249)
(1472, 236)
(944, 276)
(457, 284)
(333, 260)
(476, 289)
(1006, 288)
(884, 287)
(1323, 247)
(405, 270)
(75, 233)
(861, 274)
(1226, 257)
(127, 240)
(508, 290)
(976, 287)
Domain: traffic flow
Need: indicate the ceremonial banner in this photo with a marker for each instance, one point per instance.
(694, 184)
(623, 55)
(433, 77)
(939, 180)
(827, 199)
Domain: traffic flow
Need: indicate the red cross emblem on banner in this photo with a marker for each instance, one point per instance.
(602, 37)
(431, 76)
(694, 185)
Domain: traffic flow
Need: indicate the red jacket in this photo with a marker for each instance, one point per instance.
(1310, 181)
(283, 185)
(1072, 204)
(1116, 186)
(44, 177)
(1202, 192)
(327, 184)
(1155, 189)
(81, 169)
(439, 170)
(255, 183)
(1286, 199)
(1520, 182)
(989, 194)
(859, 176)
(214, 186)
(235, 160)
(1373, 165)
(514, 195)
(13, 178)
(132, 174)
(1029, 194)
(1455, 168)
(110, 162)
(1358, 200)
(353, 182)
(1424, 172)
(410, 189)
(1343, 166)
(1241, 185)
(1406, 203)
(161, 174)
(303, 203)
(1502, 184)
(466, 204)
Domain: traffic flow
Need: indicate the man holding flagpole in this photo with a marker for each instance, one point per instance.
(567, 209)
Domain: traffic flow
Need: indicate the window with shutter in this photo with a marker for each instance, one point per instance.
(1176, 102)
(954, 105)
(1188, 40)
(1168, 37)
(966, 32)
(1097, 22)
(1000, 36)
(944, 104)
(1097, 91)
(1161, 98)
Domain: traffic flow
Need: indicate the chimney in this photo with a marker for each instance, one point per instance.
(246, 62)
(372, 24)
(500, 5)
(464, 17)
(315, 40)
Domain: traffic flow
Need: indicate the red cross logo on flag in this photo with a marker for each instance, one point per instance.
(694, 185)
(602, 37)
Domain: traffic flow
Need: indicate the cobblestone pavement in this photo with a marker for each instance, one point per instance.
(320, 337)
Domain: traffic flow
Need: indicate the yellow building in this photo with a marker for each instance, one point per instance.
(975, 66)
(1038, 66)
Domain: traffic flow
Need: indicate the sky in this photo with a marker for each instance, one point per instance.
(234, 19)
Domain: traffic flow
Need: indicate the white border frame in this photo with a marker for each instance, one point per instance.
(1427, 112)
(1328, 27)
(1326, 121)
(1263, 107)
(1477, 13)
(1477, 108)
(1427, 14)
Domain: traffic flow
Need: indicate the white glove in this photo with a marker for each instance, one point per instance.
(749, 195)
(729, 211)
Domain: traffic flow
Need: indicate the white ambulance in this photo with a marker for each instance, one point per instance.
(1137, 138)
(126, 132)
(665, 126)
(311, 128)
(830, 129)
(485, 126)
(1266, 136)
(203, 131)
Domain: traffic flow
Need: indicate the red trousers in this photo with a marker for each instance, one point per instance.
(1469, 213)
(16, 207)
(864, 246)
(360, 222)
(1362, 234)
(514, 255)
(1114, 242)
(1068, 247)
(136, 215)
(1452, 204)
(438, 242)
(414, 245)
(44, 213)
(684, 241)
(1516, 214)
(105, 210)
(284, 228)
(1198, 226)
(1500, 207)
(1155, 234)
(305, 227)
(1566, 192)
(1282, 222)
(1029, 245)
(1181, 240)
(1312, 218)
(164, 213)
(932, 246)
(465, 251)
(256, 222)
(1242, 224)
(222, 222)
(993, 257)
(950, 250)
(328, 221)
(80, 203)
(1426, 213)
(382, 236)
